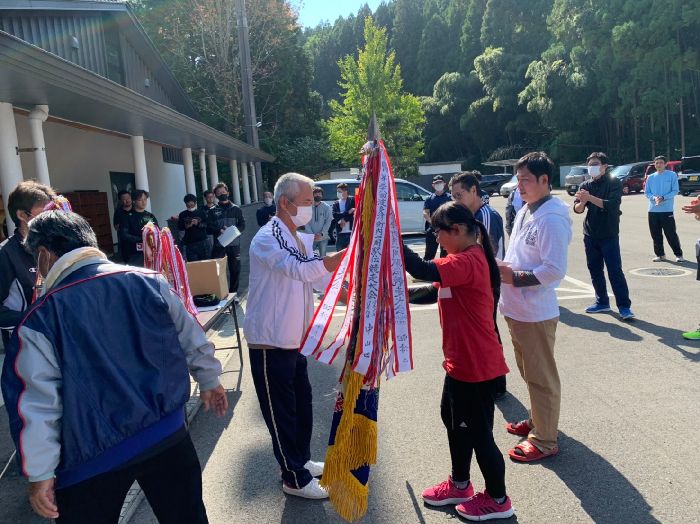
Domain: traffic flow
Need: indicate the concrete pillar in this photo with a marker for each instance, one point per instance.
(235, 185)
(10, 165)
(140, 171)
(203, 169)
(213, 171)
(253, 181)
(189, 170)
(36, 119)
(246, 183)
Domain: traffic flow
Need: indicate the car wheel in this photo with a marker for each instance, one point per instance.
(571, 193)
(625, 190)
(685, 193)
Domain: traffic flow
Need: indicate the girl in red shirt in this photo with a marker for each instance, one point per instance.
(463, 286)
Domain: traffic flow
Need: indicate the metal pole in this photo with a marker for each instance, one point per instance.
(251, 129)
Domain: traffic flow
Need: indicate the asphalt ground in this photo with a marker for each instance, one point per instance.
(630, 395)
(627, 431)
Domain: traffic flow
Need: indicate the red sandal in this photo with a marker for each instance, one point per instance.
(521, 428)
(526, 451)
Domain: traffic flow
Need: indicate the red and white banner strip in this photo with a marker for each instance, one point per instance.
(373, 272)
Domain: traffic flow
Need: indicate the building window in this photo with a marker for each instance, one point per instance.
(172, 155)
(113, 50)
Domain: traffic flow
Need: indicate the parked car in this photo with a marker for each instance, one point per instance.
(492, 183)
(410, 196)
(577, 176)
(509, 187)
(689, 176)
(631, 176)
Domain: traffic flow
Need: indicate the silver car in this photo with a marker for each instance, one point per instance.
(509, 187)
(577, 176)
(411, 198)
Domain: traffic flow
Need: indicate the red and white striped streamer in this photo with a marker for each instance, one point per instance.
(384, 333)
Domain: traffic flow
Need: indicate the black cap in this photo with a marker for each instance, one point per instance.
(438, 178)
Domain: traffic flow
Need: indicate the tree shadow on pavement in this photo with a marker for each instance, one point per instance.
(591, 323)
(605, 494)
(669, 337)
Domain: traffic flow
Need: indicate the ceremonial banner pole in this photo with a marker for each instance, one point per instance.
(376, 329)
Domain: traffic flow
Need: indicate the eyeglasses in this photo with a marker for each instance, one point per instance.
(441, 227)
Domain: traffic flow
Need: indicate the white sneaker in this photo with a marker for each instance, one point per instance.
(311, 491)
(659, 259)
(680, 259)
(315, 468)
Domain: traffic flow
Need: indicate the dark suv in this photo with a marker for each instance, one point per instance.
(492, 183)
(631, 176)
(689, 176)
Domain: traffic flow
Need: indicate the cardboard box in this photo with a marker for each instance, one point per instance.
(208, 276)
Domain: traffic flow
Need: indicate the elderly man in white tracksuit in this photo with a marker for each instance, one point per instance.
(283, 274)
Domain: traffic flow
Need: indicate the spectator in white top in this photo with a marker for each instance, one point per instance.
(283, 273)
(533, 266)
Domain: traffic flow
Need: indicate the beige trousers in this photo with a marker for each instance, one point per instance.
(533, 343)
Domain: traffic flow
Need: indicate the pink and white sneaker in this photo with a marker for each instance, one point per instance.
(446, 493)
(482, 507)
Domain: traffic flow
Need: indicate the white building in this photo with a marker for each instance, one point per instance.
(87, 104)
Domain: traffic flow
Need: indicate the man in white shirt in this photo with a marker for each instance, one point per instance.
(283, 274)
(533, 266)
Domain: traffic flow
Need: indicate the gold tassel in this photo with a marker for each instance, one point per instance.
(355, 442)
(348, 496)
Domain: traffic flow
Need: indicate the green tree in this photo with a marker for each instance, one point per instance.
(470, 40)
(199, 42)
(372, 84)
(432, 53)
(406, 36)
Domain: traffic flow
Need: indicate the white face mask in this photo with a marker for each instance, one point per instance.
(439, 187)
(304, 214)
(594, 171)
(268, 201)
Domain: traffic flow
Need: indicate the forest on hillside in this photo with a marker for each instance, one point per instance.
(468, 80)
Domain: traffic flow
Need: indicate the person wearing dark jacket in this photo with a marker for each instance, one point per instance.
(602, 196)
(193, 222)
(132, 224)
(343, 214)
(265, 213)
(434, 201)
(96, 380)
(513, 205)
(17, 266)
(227, 214)
(122, 211)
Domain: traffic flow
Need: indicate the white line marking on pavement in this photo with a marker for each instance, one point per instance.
(575, 290)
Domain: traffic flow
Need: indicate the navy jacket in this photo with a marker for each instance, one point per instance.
(96, 373)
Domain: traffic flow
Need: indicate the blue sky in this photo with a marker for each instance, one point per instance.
(312, 12)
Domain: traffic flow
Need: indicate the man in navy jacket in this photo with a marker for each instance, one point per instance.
(93, 406)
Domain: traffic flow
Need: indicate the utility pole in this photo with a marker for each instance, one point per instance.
(251, 121)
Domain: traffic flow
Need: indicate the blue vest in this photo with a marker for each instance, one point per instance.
(125, 378)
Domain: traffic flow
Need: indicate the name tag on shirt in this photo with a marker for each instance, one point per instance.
(444, 292)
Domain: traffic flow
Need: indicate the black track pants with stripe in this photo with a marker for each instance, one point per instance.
(284, 391)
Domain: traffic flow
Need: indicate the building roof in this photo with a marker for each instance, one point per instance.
(441, 163)
(502, 163)
(34, 76)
